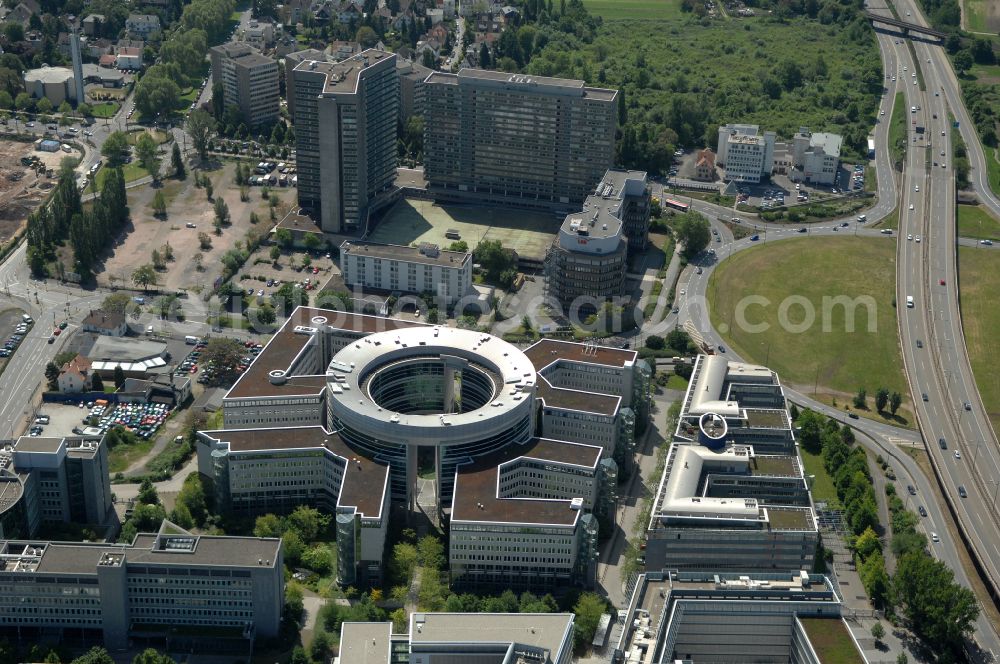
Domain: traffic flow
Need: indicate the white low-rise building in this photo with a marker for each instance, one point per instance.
(816, 156)
(414, 270)
(745, 153)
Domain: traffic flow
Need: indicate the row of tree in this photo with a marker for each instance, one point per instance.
(96, 655)
(304, 535)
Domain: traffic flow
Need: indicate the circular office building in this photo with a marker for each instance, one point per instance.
(430, 397)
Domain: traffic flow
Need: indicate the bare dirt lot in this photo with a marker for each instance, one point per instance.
(21, 190)
(187, 204)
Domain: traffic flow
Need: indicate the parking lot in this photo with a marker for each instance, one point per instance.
(63, 418)
(261, 277)
(14, 325)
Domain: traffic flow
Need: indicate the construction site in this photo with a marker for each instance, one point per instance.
(26, 177)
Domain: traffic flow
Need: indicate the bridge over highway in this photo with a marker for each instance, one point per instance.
(905, 26)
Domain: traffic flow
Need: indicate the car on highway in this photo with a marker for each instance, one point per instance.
(923, 512)
(886, 231)
(911, 206)
(920, 344)
(843, 224)
(958, 455)
(916, 187)
(923, 395)
(941, 281)
(962, 492)
(909, 236)
(935, 538)
(722, 349)
(967, 405)
(911, 489)
(988, 243)
(917, 240)
(754, 238)
(942, 443)
(802, 230)
(853, 416)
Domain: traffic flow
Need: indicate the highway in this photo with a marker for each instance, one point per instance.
(940, 368)
(948, 406)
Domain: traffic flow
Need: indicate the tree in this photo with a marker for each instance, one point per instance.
(24, 102)
(115, 148)
(226, 355)
(878, 631)
(144, 276)
(881, 399)
(319, 649)
(654, 342)
(901, 658)
(275, 254)
(221, 213)
(793, 412)
(197, 259)
(156, 93)
(146, 149)
(157, 258)
(693, 232)
(867, 543)
(152, 656)
(204, 241)
(119, 376)
(147, 493)
(283, 237)
(96, 383)
(177, 163)
(200, 127)
(366, 37)
(963, 61)
(940, 610)
(895, 401)
(861, 398)
(96, 655)
(588, 609)
(52, 376)
(299, 656)
(265, 314)
(494, 258)
(43, 105)
(159, 204)
(268, 525)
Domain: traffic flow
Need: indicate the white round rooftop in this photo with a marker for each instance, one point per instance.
(430, 385)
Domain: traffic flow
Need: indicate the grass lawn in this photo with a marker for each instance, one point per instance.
(976, 221)
(979, 279)
(822, 488)
(132, 171)
(831, 640)
(123, 456)
(975, 15)
(625, 9)
(106, 109)
(897, 130)
(676, 382)
(799, 276)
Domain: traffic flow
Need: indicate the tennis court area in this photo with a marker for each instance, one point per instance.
(410, 221)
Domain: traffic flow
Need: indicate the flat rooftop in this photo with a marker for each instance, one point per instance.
(551, 632)
(365, 643)
(600, 216)
(790, 518)
(547, 351)
(522, 82)
(38, 444)
(476, 485)
(425, 255)
(831, 641)
(286, 344)
(586, 402)
(342, 77)
(83, 558)
(365, 481)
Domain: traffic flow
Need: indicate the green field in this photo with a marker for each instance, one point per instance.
(976, 221)
(822, 489)
(123, 456)
(825, 353)
(105, 110)
(412, 221)
(890, 221)
(977, 18)
(626, 9)
(979, 274)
